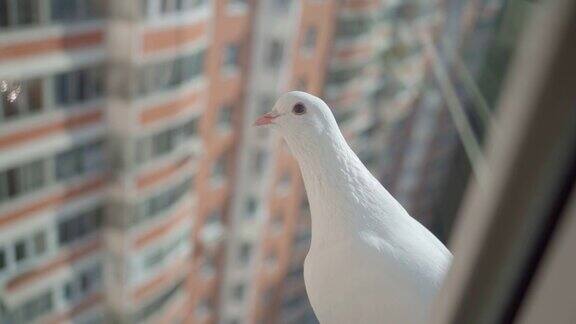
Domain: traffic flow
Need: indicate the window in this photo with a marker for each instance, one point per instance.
(190, 128)
(68, 291)
(165, 141)
(238, 2)
(238, 292)
(80, 225)
(79, 160)
(192, 4)
(213, 218)
(274, 55)
(192, 66)
(21, 180)
(224, 121)
(75, 87)
(16, 13)
(71, 11)
(167, 7)
(3, 261)
(93, 157)
(169, 74)
(158, 302)
(342, 76)
(34, 308)
(20, 252)
(28, 101)
(83, 284)
(40, 242)
(68, 164)
(166, 75)
(63, 83)
(153, 259)
(4, 14)
(310, 38)
(349, 27)
(282, 5)
(251, 207)
(259, 158)
(162, 201)
(64, 10)
(231, 59)
(219, 169)
(244, 253)
(31, 176)
(165, 249)
(28, 247)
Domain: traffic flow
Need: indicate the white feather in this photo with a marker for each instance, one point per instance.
(369, 261)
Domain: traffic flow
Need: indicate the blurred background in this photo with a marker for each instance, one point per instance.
(134, 189)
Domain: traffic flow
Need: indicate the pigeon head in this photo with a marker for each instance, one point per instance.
(305, 121)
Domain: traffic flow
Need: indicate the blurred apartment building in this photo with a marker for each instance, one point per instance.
(132, 185)
(53, 168)
(433, 144)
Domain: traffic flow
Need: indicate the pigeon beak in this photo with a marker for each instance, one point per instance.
(265, 119)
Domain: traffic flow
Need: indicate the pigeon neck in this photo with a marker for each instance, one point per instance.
(334, 179)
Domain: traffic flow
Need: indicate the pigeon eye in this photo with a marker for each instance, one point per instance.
(299, 109)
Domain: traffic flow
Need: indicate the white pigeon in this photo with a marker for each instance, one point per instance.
(369, 260)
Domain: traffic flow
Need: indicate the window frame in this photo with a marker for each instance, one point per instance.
(498, 239)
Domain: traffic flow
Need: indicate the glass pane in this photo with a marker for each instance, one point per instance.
(63, 232)
(11, 178)
(10, 104)
(69, 291)
(65, 10)
(62, 89)
(275, 52)
(20, 252)
(82, 85)
(3, 261)
(93, 157)
(40, 243)
(4, 13)
(32, 176)
(35, 95)
(68, 164)
(95, 8)
(26, 12)
(231, 56)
